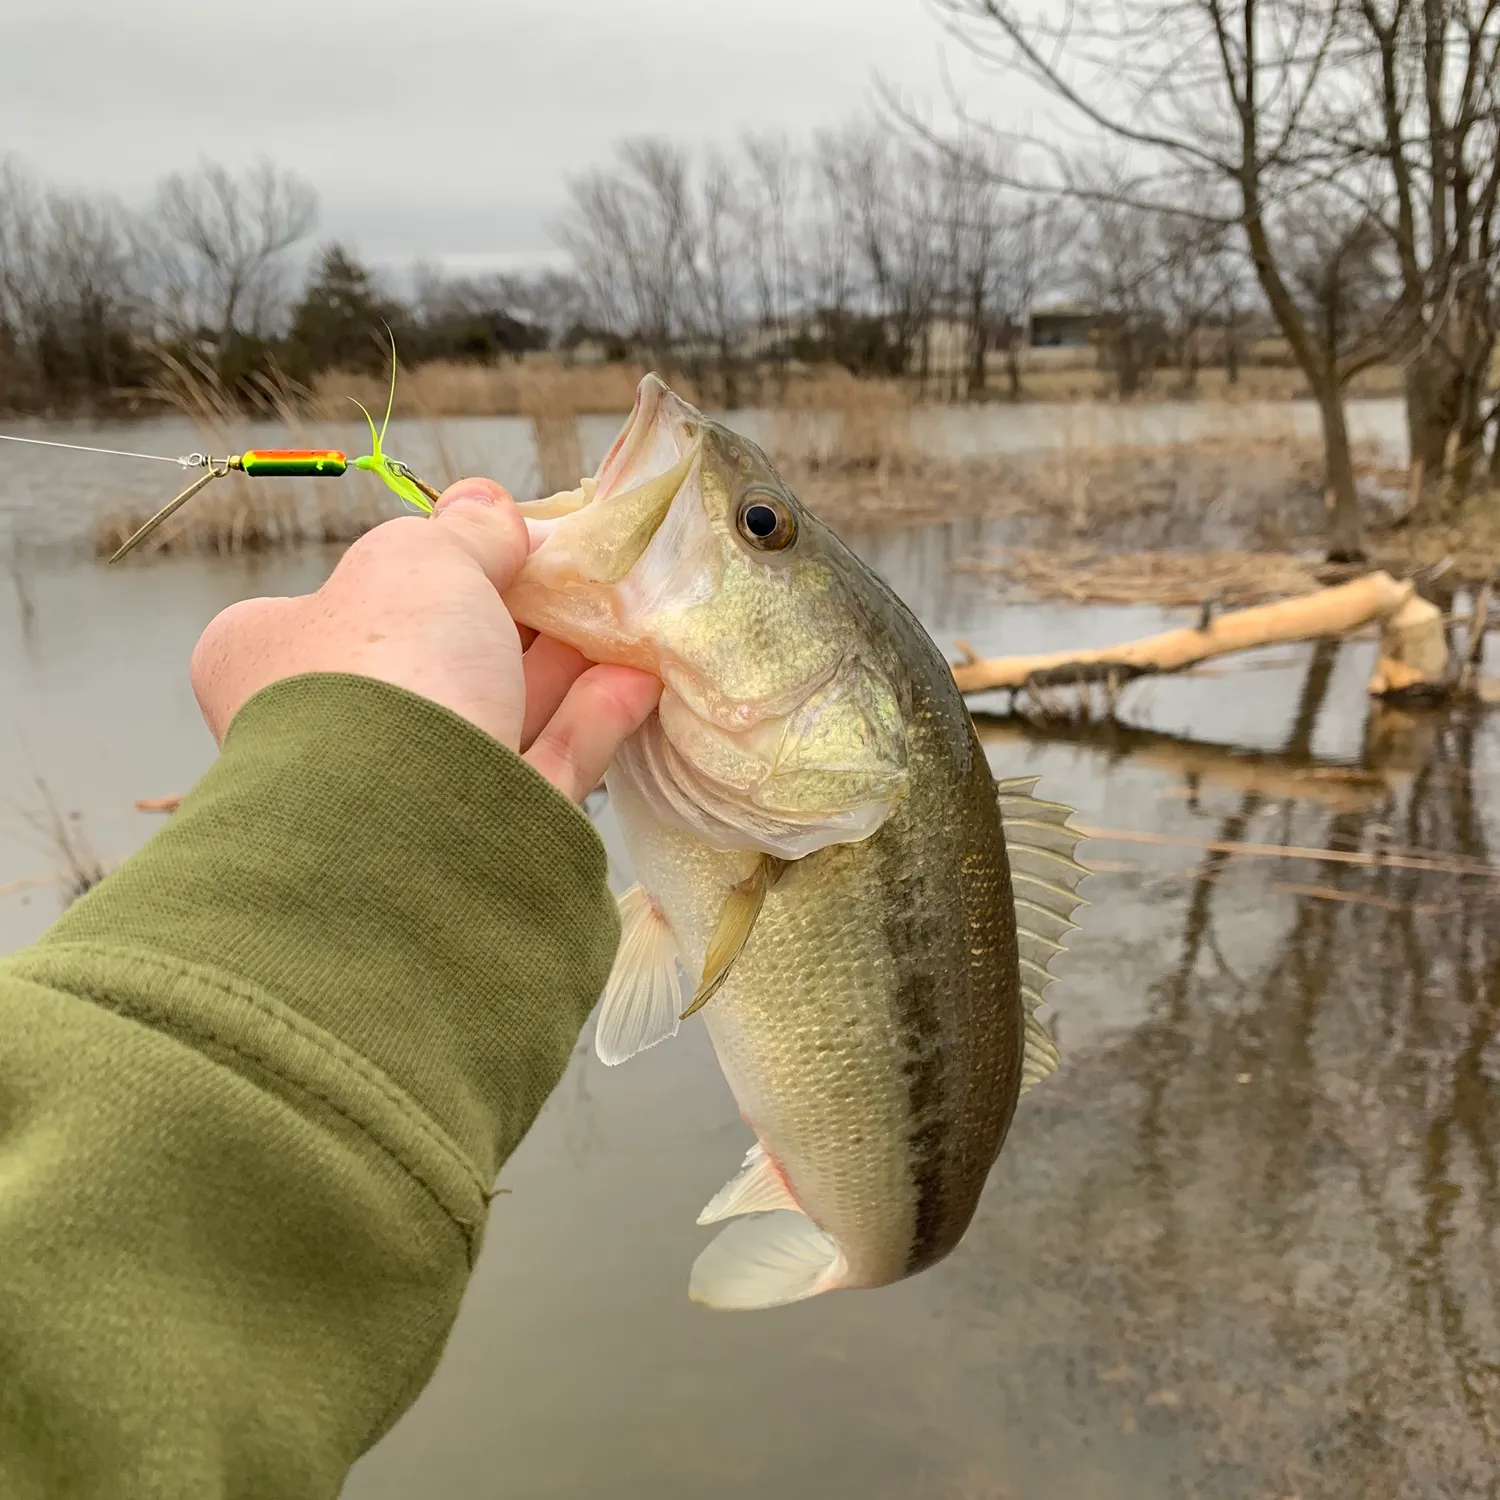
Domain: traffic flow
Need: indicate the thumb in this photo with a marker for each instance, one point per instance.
(480, 516)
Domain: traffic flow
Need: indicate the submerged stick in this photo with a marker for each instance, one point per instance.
(1410, 655)
(1434, 864)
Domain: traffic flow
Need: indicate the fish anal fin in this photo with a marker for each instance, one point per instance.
(736, 922)
(1040, 1058)
(759, 1188)
(766, 1261)
(644, 989)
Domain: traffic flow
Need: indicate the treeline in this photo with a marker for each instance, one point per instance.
(884, 255)
(96, 298)
(891, 255)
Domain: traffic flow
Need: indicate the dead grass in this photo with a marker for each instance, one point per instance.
(1256, 383)
(1084, 575)
(1083, 519)
(1469, 544)
(234, 514)
(80, 869)
(447, 389)
(541, 386)
(1254, 492)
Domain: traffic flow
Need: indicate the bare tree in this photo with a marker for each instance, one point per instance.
(1122, 265)
(69, 293)
(1027, 257)
(771, 199)
(1199, 275)
(1429, 116)
(223, 243)
(891, 194)
(1339, 270)
(970, 225)
(631, 233)
(829, 233)
(717, 271)
(1225, 92)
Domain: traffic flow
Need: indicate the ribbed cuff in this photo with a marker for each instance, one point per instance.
(375, 874)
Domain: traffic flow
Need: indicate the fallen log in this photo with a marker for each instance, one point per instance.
(1414, 652)
(1431, 861)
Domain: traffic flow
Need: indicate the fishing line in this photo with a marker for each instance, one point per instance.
(188, 461)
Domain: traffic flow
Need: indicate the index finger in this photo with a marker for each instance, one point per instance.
(603, 708)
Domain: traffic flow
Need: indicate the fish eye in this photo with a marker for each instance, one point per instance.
(766, 521)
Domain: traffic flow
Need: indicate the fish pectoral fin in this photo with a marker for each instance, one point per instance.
(767, 1261)
(759, 1188)
(1040, 1057)
(736, 923)
(644, 989)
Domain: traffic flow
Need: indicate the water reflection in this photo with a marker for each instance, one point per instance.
(1272, 1205)
(1243, 1245)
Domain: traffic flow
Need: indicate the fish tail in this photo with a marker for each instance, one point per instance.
(767, 1261)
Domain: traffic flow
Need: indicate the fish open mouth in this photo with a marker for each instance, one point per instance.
(630, 447)
(659, 431)
(586, 542)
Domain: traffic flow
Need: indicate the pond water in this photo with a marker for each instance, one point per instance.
(1243, 1245)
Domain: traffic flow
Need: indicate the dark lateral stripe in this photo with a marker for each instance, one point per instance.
(914, 943)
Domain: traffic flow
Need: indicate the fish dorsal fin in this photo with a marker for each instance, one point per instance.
(766, 1261)
(736, 922)
(1045, 877)
(758, 1189)
(644, 989)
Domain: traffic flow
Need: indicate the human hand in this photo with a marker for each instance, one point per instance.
(416, 602)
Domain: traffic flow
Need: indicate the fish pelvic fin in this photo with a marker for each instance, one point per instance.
(1045, 876)
(759, 1188)
(736, 922)
(644, 989)
(767, 1261)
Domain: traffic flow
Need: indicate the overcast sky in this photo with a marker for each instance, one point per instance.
(441, 128)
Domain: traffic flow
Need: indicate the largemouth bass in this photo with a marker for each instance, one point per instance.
(864, 917)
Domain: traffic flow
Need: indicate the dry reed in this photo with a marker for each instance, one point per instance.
(541, 384)
(237, 515)
(446, 388)
(1085, 575)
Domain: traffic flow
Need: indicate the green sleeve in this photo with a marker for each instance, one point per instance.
(255, 1088)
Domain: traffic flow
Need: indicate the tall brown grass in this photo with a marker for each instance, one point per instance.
(447, 389)
(235, 514)
(542, 386)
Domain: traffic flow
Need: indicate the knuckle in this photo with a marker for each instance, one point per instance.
(388, 539)
(219, 639)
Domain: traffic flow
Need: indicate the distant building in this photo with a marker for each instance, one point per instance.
(1064, 325)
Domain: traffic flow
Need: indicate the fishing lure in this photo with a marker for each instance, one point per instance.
(279, 463)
